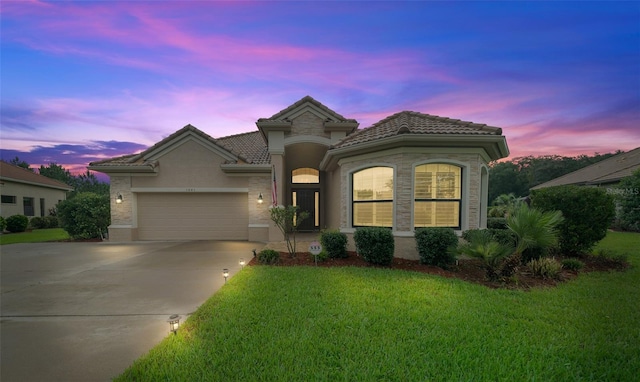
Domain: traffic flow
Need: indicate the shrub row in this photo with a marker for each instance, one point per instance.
(17, 223)
(44, 222)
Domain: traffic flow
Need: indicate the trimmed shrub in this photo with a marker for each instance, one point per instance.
(434, 245)
(37, 223)
(268, 256)
(572, 264)
(545, 267)
(51, 221)
(85, 216)
(334, 243)
(3, 224)
(497, 223)
(502, 236)
(628, 199)
(375, 244)
(17, 223)
(587, 213)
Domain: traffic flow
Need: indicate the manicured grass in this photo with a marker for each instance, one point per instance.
(307, 323)
(35, 236)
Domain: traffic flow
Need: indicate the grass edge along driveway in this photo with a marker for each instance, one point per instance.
(306, 323)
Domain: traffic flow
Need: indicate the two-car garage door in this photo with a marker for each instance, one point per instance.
(192, 216)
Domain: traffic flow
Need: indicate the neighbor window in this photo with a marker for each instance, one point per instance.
(305, 175)
(27, 203)
(8, 199)
(373, 197)
(41, 206)
(438, 195)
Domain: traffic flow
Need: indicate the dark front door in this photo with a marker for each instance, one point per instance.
(307, 199)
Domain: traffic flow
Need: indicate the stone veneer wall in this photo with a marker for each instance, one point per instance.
(308, 124)
(121, 228)
(259, 218)
(403, 202)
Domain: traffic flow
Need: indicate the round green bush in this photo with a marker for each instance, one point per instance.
(51, 221)
(335, 243)
(37, 223)
(85, 216)
(375, 244)
(434, 246)
(587, 212)
(268, 256)
(17, 223)
(572, 264)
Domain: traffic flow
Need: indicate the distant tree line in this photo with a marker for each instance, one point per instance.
(520, 174)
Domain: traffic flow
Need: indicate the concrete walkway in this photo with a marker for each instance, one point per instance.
(86, 311)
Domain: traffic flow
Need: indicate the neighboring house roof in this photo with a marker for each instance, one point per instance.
(610, 170)
(411, 122)
(12, 173)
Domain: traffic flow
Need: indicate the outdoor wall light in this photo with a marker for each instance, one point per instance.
(260, 200)
(119, 199)
(174, 323)
(225, 273)
(242, 263)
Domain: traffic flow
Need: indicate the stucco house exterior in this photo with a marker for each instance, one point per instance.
(406, 171)
(27, 193)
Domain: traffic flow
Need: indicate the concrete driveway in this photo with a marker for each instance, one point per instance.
(86, 311)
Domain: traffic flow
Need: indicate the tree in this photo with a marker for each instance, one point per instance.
(20, 163)
(88, 182)
(628, 202)
(288, 220)
(57, 172)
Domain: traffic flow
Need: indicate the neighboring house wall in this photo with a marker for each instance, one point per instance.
(19, 191)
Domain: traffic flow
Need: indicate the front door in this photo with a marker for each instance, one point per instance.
(308, 199)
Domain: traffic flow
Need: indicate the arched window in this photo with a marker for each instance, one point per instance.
(437, 195)
(373, 197)
(305, 175)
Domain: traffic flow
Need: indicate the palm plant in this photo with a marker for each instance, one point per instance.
(535, 230)
(481, 245)
(503, 205)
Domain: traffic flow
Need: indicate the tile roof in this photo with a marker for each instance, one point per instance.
(610, 170)
(278, 117)
(411, 122)
(251, 146)
(18, 174)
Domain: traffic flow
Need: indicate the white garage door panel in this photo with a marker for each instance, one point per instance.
(193, 216)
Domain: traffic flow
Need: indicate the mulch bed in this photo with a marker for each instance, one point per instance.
(470, 270)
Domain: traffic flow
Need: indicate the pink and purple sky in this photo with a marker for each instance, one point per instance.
(88, 80)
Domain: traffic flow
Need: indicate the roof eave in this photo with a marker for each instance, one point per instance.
(494, 145)
(61, 187)
(132, 169)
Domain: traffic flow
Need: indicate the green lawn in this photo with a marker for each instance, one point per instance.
(35, 236)
(326, 324)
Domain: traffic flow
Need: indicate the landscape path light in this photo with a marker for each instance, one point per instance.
(225, 273)
(174, 323)
(242, 263)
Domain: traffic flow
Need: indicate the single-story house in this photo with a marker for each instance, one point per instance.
(406, 171)
(606, 173)
(26, 193)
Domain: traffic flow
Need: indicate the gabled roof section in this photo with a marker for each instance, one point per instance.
(610, 170)
(411, 122)
(11, 173)
(246, 148)
(307, 103)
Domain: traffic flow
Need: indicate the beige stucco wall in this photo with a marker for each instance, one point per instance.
(20, 190)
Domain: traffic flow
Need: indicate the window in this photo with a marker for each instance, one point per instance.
(373, 197)
(438, 195)
(305, 175)
(8, 199)
(41, 206)
(27, 204)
